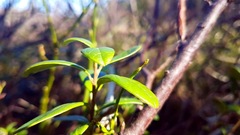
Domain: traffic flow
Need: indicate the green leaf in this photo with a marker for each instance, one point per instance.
(80, 130)
(139, 69)
(3, 131)
(55, 111)
(132, 86)
(40, 66)
(126, 54)
(235, 108)
(82, 40)
(102, 55)
(234, 72)
(123, 101)
(84, 78)
(104, 129)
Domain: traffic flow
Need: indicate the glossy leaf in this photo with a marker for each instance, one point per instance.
(132, 86)
(123, 101)
(81, 40)
(54, 112)
(126, 54)
(102, 55)
(40, 66)
(77, 118)
(80, 130)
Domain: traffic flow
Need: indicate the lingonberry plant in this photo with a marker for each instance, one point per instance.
(94, 81)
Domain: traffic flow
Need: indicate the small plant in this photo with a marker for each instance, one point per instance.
(94, 81)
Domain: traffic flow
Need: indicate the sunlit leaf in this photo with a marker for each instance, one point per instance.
(80, 130)
(102, 55)
(81, 40)
(132, 86)
(40, 66)
(123, 101)
(3, 131)
(54, 112)
(126, 54)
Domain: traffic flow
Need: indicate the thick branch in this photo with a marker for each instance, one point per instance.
(179, 66)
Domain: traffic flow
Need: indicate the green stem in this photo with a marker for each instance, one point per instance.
(47, 89)
(92, 111)
(46, 92)
(97, 70)
(51, 78)
(75, 24)
(93, 32)
(94, 95)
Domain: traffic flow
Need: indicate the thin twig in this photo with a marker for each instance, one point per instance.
(151, 75)
(182, 20)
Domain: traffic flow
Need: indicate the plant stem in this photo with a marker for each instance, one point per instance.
(47, 89)
(92, 111)
(94, 94)
(94, 25)
(46, 92)
(92, 34)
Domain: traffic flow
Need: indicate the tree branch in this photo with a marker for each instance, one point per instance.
(179, 66)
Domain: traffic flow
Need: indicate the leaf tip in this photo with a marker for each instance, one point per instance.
(155, 104)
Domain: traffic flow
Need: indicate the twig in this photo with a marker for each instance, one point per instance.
(182, 20)
(234, 128)
(151, 75)
(179, 66)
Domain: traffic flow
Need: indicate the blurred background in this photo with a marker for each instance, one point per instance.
(206, 101)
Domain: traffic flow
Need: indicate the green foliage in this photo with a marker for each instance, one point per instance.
(102, 56)
(123, 101)
(80, 130)
(76, 39)
(10, 130)
(41, 66)
(93, 81)
(132, 86)
(50, 114)
(126, 54)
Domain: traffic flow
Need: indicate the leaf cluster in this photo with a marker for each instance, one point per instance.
(101, 57)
